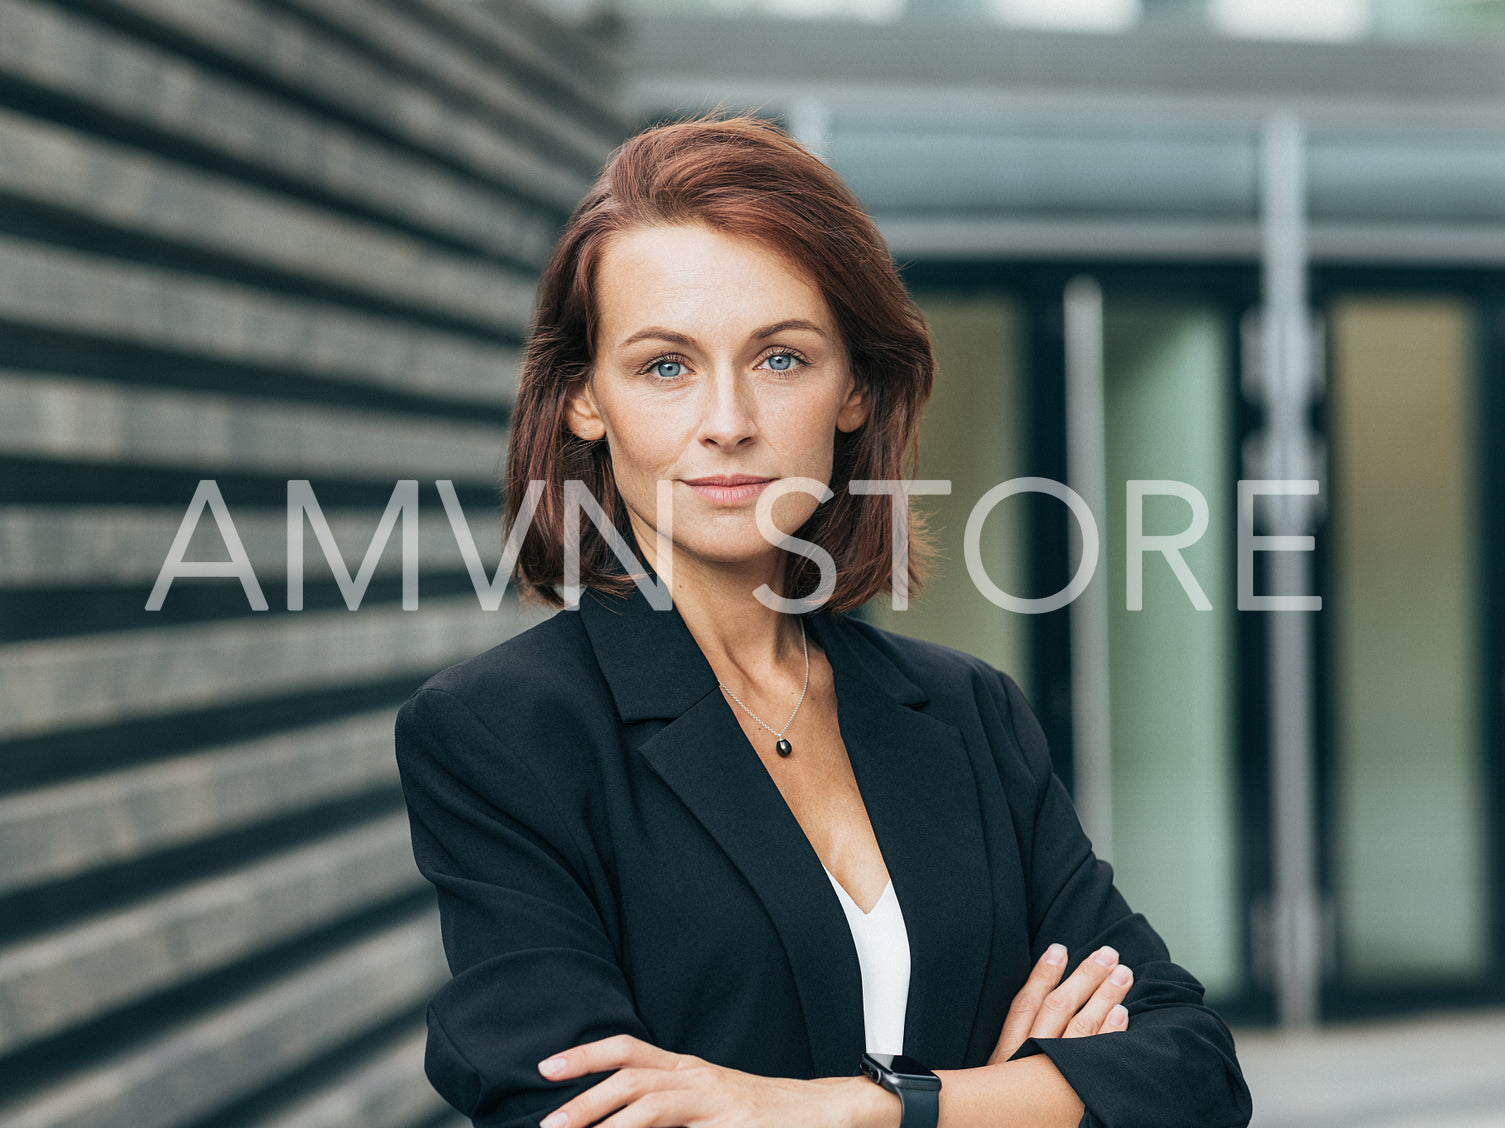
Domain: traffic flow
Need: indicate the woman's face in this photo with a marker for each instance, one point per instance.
(720, 369)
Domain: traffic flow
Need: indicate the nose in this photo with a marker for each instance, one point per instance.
(727, 420)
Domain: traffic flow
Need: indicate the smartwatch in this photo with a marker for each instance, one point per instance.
(918, 1089)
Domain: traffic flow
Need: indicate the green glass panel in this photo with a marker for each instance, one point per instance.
(1167, 392)
(1409, 831)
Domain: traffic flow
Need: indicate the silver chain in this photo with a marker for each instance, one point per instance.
(804, 645)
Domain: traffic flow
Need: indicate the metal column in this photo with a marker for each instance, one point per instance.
(1086, 467)
(1287, 380)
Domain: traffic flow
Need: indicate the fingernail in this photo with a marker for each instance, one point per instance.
(1121, 976)
(1055, 955)
(1106, 956)
(1118, 1016)
(554, 1120)
(550, 1066)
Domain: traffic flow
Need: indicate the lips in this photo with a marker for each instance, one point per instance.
(728, 489)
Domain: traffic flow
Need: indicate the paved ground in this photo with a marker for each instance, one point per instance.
(1442, 1071)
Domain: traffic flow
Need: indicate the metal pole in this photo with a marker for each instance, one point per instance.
(1086, 467)
(1288, 385)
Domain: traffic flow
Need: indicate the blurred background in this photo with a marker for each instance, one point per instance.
(250, 241)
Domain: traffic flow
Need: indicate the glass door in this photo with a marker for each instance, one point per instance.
(1410, 555)
(973, 436)
(1168, 395)
(1409, 784)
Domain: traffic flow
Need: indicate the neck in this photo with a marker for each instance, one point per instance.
(741, 638)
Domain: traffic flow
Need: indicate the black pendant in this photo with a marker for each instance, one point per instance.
(783, 747)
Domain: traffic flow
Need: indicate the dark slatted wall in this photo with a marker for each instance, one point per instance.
(247, 241)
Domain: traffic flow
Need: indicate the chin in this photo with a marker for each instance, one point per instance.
(728, 552)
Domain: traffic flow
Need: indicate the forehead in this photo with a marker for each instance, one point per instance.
(694, 276)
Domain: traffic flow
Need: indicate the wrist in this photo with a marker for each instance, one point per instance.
(870, 1106)
(917, 1087)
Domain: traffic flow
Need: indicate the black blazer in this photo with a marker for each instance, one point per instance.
(611, 856)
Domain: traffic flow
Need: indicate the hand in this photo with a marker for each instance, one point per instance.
(1089, 1002)
(654, 1088)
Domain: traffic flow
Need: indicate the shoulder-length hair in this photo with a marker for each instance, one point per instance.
(747, 178)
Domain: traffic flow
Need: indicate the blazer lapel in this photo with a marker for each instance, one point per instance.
(657, 671)
(917, 782)
(921, 798)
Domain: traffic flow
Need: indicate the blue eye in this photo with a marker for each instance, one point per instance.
(668, 369)
(781, 362)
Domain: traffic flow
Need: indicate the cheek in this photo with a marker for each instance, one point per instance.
(644, 439)
(813, 433)
(793, 510)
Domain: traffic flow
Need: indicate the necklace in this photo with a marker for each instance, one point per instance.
(782, 747)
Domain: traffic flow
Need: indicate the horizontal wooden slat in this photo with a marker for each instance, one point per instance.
(163, 92)
(390, 1091)
(514, 31)
(121, 675)
(71, 975)
(58, 832)
(62, 289)
(248, 240)
(241, 1047)
(392, 31)
(102, 182)
(287, 49)
(113, 545)
(63, 417)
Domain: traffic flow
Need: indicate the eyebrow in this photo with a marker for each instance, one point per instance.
(659, 333)
(791, 323)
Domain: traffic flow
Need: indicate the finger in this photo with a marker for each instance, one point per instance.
(1062, 1004)
(1117, 1021)
(640, 1098)
(1094, 1013)
(1026, 1005)
(659, 1109)
(615, 1052)
(618, 1091)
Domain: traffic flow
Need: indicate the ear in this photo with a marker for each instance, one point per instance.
(582, 415)
(853, 413)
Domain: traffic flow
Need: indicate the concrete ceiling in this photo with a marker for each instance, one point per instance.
(980, 141)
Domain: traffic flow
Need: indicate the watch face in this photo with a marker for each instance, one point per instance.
(900, 1063)
(907, 1071)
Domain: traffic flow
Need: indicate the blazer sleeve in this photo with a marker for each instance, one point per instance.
(534, 969)
(1174, 1067)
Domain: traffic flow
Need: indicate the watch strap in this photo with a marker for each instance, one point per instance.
(921, 1107)
(918, 1088)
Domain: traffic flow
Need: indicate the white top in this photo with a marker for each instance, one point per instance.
(883, 953)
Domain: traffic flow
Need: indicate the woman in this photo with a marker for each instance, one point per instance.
(694, 863)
